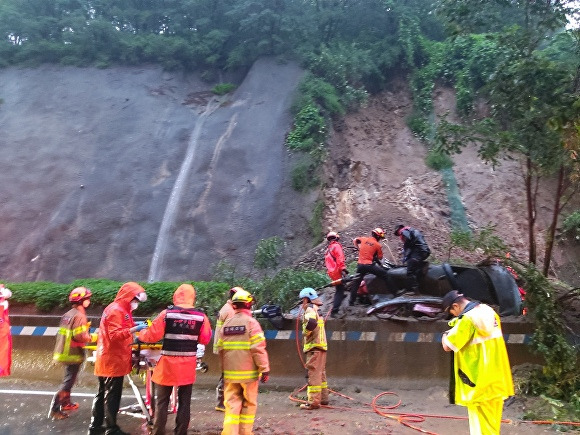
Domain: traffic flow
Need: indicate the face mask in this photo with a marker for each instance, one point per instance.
(134, 305)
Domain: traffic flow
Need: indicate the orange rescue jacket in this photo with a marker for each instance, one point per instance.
(369, 250)
(115, 337)
(175, 370)
(334, 260)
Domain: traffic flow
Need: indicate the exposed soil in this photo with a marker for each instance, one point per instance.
(377, 176)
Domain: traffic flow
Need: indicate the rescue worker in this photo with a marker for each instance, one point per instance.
(244, 361)
(5, 335)
(114, 356)
(183, 329)
(334, 262)
(224, 314)
(73, 334)
(415, 252)
(482, 374)
(315, 348)
(370, 255)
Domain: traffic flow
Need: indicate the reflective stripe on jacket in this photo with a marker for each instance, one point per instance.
(174, 370)
(315, 339)
(73, 334)
(225, 313)
(242, 348)
(182, 328)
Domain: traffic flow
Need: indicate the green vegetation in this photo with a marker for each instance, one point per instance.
(516, 56)
(223, 88)
(558, 379)
(437, 160)
(282, 288)
(571, 225)
(268, 253)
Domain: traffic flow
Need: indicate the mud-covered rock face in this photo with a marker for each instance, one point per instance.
(377, 176)
(140, 174)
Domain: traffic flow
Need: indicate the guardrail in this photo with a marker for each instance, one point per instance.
(371, 348)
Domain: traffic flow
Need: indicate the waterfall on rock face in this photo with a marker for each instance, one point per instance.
(175, 196)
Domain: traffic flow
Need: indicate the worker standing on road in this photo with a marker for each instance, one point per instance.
(415, 252)
(185, 332)
(73, 334)
(370, 255)
(334, 262)
(315, 348)
(5, 335)
(483, 378)
(114, 354)
(244, 361)
(224, 314)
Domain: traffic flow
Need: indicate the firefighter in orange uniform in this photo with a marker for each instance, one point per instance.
(182, 329)
(370, 255)
(244, 360)
(225, 313)
(73, 334)
(315, 349)
(114, 354)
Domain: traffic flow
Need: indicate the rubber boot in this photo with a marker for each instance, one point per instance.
(55, 412)
(219, 392)
(66, 404)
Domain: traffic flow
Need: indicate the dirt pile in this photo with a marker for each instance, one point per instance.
(376, 176)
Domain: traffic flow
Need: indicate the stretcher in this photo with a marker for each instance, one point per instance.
(144, 359)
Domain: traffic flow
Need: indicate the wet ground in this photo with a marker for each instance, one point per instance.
(25, 402)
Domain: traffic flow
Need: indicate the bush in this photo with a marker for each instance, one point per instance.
(268, 253)
(309, 129)
(304, 176)
(223, 88)
(315, 222)
(284, 287)
(571, 225)
(438, 160)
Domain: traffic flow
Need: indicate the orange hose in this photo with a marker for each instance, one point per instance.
(403, 418)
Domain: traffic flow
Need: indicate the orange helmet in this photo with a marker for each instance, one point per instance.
(79, 294)
(332, 235)
(378, 232)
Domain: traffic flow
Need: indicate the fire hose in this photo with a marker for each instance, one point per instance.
(405, 418)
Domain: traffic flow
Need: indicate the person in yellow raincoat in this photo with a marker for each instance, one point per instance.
(483, 378)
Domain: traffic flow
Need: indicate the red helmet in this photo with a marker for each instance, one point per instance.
(234, 290)
(332, 235)
(79, 294)
(378, 232)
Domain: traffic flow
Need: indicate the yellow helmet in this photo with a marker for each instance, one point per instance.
(242, 296)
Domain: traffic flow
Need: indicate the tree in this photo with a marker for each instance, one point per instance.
(526, 93)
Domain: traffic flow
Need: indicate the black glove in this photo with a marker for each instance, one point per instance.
(265, 377)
